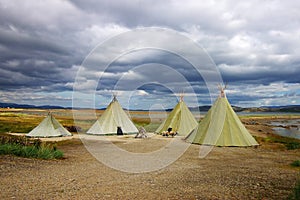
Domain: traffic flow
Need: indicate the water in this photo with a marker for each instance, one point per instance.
(267, 114)
(287, 128)
(292, 132)
(287, 122)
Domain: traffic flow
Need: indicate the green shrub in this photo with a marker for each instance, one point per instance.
(5, 148)
(296, 163)
(296, 193)
(58, 154)
(44, 152)
(292, 145)
(29, 151)
(289, 143)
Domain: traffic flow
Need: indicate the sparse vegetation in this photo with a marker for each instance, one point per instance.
(296, 193)
(44, 152)
(23, 121)
(26, 147)
(290, 143)
(296, 163)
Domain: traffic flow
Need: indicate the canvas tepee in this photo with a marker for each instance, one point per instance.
(114, 120)
(221, 126)
(180, 119)
(49, 127)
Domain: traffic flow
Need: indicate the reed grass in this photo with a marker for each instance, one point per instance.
(296, 163)
(27, 147)
(43, 152)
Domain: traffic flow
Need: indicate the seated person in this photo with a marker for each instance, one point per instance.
(169, 132)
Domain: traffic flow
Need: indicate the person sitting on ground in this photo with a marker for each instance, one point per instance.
(166, 133)
(141, 133)
(169, 132)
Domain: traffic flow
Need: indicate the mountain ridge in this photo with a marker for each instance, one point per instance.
(284, 108)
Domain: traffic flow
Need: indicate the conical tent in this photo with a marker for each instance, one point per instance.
(49, 127)
(114, 120)
(181, 120)
(221, 127)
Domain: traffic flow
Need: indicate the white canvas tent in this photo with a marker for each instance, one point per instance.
(180, 119)
(221, 127)
(49, 127)
(113, 119)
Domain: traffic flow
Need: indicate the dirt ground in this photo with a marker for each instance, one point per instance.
(225, 173)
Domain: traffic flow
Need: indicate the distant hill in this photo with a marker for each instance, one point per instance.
(287, 108)
(14, 105)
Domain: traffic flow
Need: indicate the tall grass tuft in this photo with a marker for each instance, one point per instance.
(26, 147)
(43, 152)
(289, 143)
(296, 163)
(292, 145)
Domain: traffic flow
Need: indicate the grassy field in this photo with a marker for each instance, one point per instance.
(24, 120)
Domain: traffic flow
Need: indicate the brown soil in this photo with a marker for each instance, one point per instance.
(226, 173)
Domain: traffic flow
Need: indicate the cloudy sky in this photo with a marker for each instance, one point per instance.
(45, 44)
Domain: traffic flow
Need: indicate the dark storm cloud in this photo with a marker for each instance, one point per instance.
(155, 56)
(260, 74)
(21, 42)
(32, 55)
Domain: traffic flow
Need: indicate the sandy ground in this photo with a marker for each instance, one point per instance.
(225, 173)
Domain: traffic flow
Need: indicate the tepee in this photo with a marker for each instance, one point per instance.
(114, 120)
(49, 127)
(221, 126)
(180, 119)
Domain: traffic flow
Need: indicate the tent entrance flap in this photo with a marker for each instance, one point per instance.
(119, 130)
